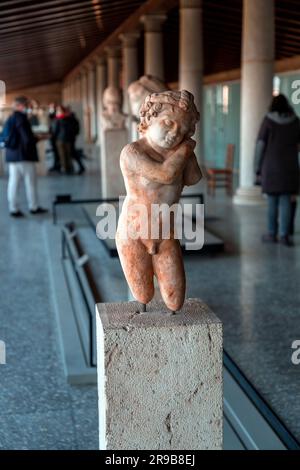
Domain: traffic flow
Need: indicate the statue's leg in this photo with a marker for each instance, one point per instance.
(169, 270)
(137, 267)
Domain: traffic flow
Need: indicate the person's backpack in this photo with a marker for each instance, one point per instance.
(10, 135)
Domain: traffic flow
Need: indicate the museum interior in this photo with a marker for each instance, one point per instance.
(92, 61)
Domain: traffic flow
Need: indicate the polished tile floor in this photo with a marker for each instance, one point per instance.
(253, 288)
(38, 409)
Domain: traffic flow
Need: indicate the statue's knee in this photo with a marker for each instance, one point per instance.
(144, 295)
(174, 299)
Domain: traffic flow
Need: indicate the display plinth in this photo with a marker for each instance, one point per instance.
(159, 377)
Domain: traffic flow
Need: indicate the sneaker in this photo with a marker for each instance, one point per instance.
(39, 210)
(269, 238)
(16, 214)
(286, 240)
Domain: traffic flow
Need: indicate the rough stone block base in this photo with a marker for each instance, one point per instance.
(159, 377)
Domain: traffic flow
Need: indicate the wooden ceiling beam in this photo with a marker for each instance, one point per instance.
(77, 18)
(130, 24)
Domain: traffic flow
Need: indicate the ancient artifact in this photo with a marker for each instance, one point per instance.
(112, 116)
(155, 169)
(140, 89)
(114, 136)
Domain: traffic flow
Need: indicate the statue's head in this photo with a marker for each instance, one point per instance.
(169, 117)
(141, 88)
(112, 99)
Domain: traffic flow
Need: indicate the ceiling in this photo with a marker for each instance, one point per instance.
(41, 41)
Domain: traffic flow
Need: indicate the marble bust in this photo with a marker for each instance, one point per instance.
(155, 169)
(112, 116)
(140, 89)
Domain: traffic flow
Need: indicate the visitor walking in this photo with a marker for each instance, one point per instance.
(21, 156)
(51, 121)
(277, 167)
(63, 134)
(75, 126)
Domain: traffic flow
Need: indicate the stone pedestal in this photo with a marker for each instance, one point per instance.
(112, 182)
(159, 377)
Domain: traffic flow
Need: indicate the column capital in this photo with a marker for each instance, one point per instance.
(190, 3)
(153, 23)
(129, 39)
(113, 51)
(83, 70)
(100, 60)
(90, 65)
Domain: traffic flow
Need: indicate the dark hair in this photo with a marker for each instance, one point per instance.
(281, 105)
(21, 100)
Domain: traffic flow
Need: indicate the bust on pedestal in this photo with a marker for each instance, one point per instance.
(114, 137)
(137, 92)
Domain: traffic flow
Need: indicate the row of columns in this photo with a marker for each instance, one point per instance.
(93, 76)
(257, 74)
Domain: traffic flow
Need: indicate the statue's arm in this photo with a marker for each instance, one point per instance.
(137, 161)
(192, 172)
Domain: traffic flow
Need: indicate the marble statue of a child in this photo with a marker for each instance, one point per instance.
(112, 116)
(155, 169)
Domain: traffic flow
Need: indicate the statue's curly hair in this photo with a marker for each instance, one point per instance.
(155, 103)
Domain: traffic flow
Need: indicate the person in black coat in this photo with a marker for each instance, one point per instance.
(277, 166)
(75, 126)
(63, 134)
(51, 119)
(21, 156)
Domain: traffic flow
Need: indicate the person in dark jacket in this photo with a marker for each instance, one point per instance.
(52, 121)
(277, 166)
(63, 134)
(21, 156)
(75, 126)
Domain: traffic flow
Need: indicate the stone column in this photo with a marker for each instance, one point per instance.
(92, 100)
(64, 93)
(159, 377)
(77, 107)
(113, 63)
(130, 70)
(69, 92)
(191, 60)
(101, 83)
(154, 50)
(78, 89)
(73, 91)
(85, 106)
(256, 89)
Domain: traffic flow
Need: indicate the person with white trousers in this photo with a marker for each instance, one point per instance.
(21, 156)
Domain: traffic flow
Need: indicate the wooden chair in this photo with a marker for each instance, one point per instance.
(222, 177)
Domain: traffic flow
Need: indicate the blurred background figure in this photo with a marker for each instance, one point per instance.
(32, 114)
(64, 136)
(277, 167)
(21, 156)
(53, 146)
(77, 154)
